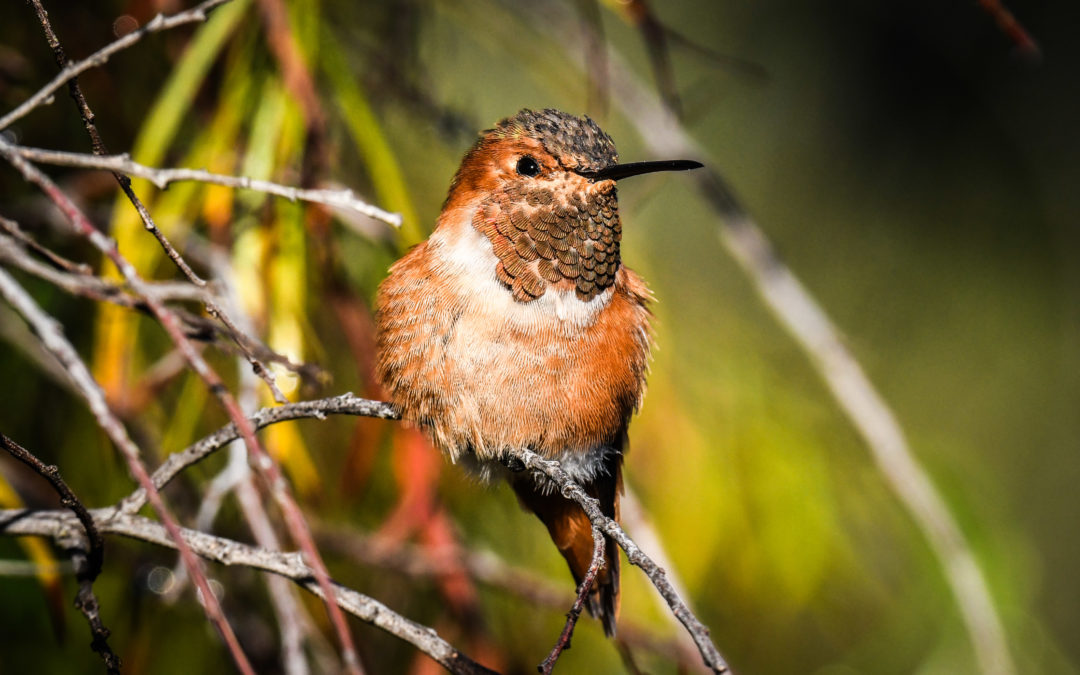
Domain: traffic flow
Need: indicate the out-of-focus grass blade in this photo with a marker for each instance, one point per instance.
(277, 283)
(654, 34)
(250, 250)
(305, 17)
(116, 327)
(186, 413)
(215, 147)
(385, 173)
(39, 553)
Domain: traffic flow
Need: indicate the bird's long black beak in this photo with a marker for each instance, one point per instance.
(619, 171)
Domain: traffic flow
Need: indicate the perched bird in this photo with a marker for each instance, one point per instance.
(516, 325)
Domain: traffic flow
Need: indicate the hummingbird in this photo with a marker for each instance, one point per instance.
(516, 325)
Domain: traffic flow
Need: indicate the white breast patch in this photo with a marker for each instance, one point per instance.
(467, 255)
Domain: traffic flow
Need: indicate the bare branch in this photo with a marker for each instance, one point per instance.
(51, 473)
(96, 288)
(291, 615)
(265, 464)
(563, 643)
(811, 328)
(571, 490)
(52, 337)
(242, 341)
(293, 619)
(489, 569)
(99, 149)
(89, 286)
(14, 231)
(88, 563)
(217, 262)
(345, 404)
(227, 552)
(162, 178)
(482, 566)
(101, 56)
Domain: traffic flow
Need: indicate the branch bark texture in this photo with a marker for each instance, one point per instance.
(571, 490)
(809, 325)
(59, 524)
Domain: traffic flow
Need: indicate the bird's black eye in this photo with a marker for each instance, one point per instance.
(527, 166)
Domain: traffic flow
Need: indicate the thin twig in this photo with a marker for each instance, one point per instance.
(101, 56)
(162, 178)
(237, 478)
(811, 328)
(99, 149)
(294, 620)
(53, 339)
(345, 404)
(89, 286)
(59, 262)
(97, 288)
(219, 265)
(198, 326)
(371, 550)
(96, 553)
(563, 643)
(229, 552)
(88, 564)
(291, 615)
(265, 464)
(633, 518)
(491, 570)
(571, 490)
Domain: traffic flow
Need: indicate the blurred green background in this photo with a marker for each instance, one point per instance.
(917, 173)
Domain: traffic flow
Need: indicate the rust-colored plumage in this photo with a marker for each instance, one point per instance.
(516, 325)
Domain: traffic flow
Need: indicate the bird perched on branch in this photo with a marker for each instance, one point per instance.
(516, 325)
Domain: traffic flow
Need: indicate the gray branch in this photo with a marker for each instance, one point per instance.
(162, 178)
(571, 490)
(808, 323)
(102, 56)
(61, 524)
(345, 404)
(52, 338)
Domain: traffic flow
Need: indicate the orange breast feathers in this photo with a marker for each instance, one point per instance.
(482, 371)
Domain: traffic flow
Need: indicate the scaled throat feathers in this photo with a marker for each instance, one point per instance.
(553, 230)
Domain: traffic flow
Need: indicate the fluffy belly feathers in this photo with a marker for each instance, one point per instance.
(482, 372)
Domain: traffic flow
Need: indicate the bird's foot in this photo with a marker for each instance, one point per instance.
(512, 463)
